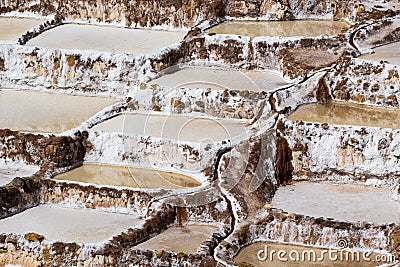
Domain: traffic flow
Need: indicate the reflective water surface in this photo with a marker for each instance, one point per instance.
(34, 111)
(389, 53)
(250, 253)
(182, 128)
(341, 202)
(130, 177)
(306, 28)
(187, 238)
(348, 114)
(13, 28)
(219, 79)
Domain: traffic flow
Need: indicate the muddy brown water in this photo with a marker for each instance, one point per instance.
(251, 254)
(348, 114)
(187, 238)
(34, 111)
(127, 176)
(306, 28)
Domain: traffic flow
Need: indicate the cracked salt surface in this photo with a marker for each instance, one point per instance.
(220, 79)
(34, 111)
(127, 176)
(305, 28)
(69, 225)
(187, 238)
(12, 169)
(340, 202)
(389, 53)
(249, 255)
(182, 128)
(13, 28)
(347, 114)
(106, 38)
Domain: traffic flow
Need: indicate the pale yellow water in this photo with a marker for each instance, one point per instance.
(180, 128)
(250, 253)
(34, 111)
(187, 238)
(106, 38)
(341, 202)
(307, 28)
(13, 28)
(127, 176)
(389, 53)
(348, 114)
(69, 225)
(218, 79)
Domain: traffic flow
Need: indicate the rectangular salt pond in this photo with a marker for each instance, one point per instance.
(127, 176)
(13, 28)
(181, 128)
(220, 79)
(34, 111)
(186, 239)
(389, 53)
(68, 224)
(347, 114)
(249, 255)
(106, 38)
(306, 28)
(340, 202)
(11, 169)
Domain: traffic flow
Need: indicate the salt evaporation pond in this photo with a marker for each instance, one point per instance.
(127, 176)
(389, 53)
(249, 255)
(347, 114)
(187, 238)
(220, 79)
(340, 202)
(106, 38)
(182, 128)
(13, 28)
(34, 111)
(305, 28)
(68, 224)
(11, 169)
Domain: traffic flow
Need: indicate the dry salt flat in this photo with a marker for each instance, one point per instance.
(182, 128)
(68, 224)
(11, 169)
(106, 38)
(220, 79)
